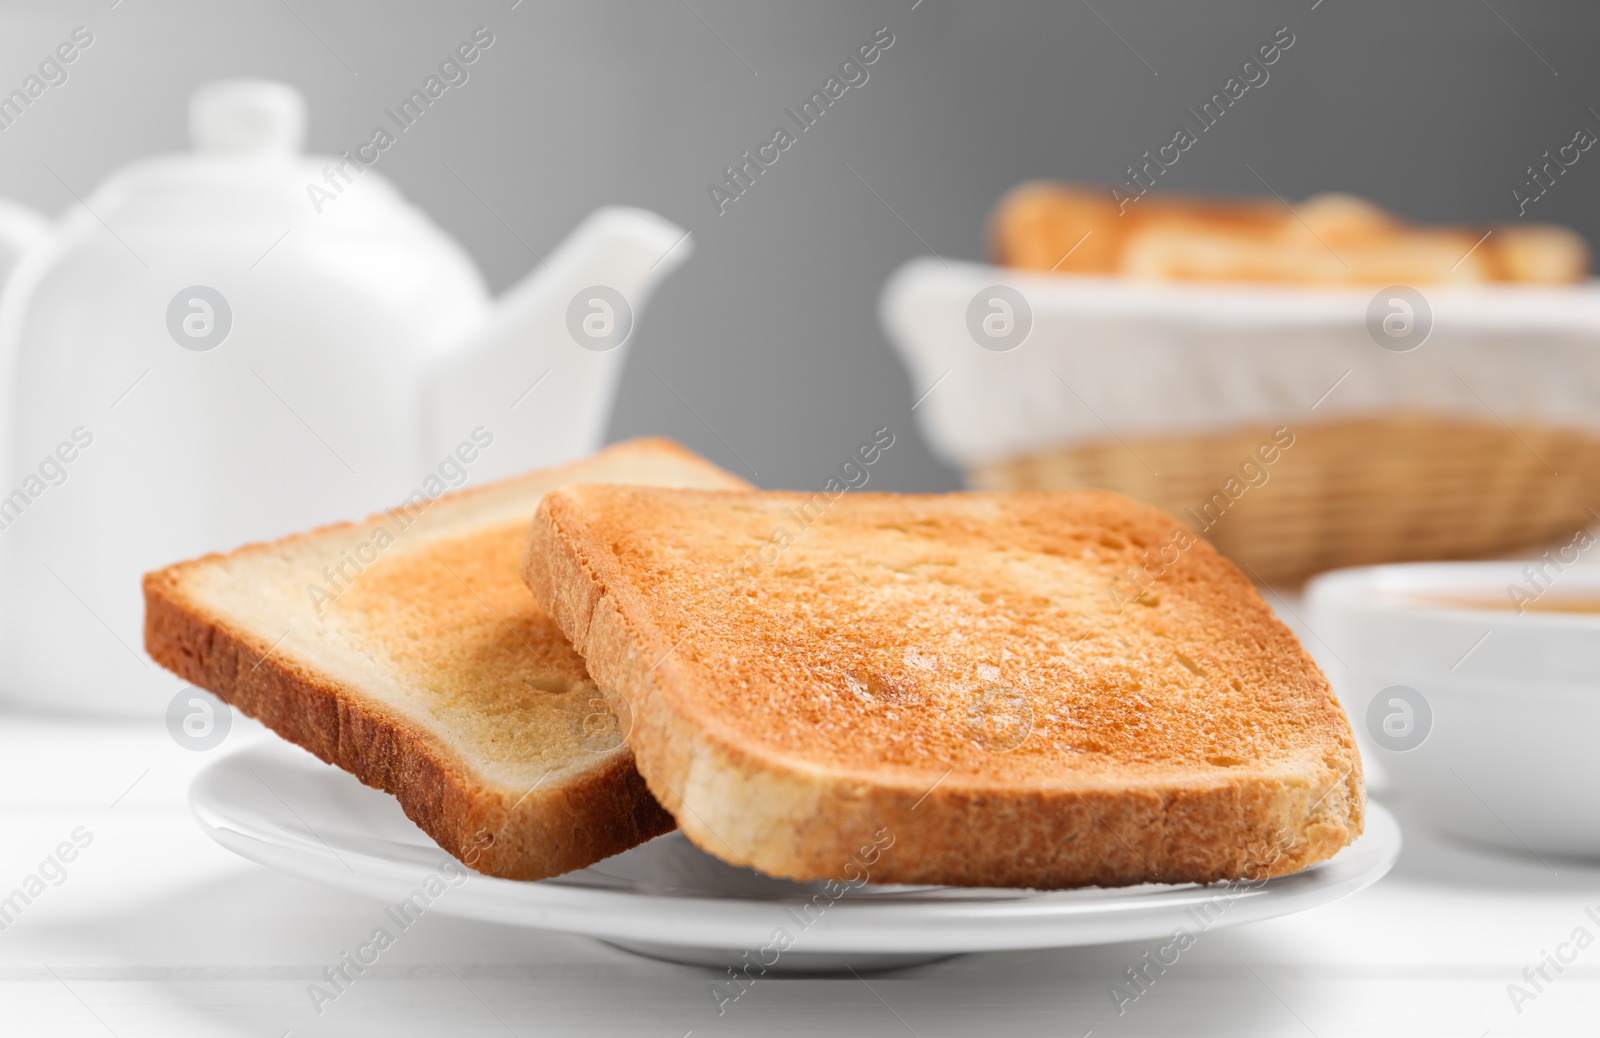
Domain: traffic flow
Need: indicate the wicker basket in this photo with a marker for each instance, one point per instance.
(1397, 488)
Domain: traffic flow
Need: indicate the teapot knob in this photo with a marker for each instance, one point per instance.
(247, 117)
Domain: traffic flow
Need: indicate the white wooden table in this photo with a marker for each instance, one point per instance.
(156, 931)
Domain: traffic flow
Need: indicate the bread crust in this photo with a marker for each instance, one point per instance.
(798, 818)
(574, 819)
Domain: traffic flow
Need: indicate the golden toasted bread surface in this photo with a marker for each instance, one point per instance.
(405, 649)
(974, 676)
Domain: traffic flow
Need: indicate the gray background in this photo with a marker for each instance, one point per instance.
(1433, 109)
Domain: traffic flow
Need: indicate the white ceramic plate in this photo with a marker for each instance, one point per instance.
(280, 806)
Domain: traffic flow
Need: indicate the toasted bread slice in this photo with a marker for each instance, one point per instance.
(1032, 689)
(1330, 239)
(405, 650)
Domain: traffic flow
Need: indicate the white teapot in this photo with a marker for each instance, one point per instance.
(21, 230)
(244, 341)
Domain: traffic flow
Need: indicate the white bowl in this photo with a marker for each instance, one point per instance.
(1484, 718)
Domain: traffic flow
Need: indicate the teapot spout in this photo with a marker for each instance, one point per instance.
(537, 377)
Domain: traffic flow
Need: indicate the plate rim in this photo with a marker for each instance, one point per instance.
(988, 922)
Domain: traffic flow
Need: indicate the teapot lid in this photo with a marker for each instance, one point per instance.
(247, 117)
(247, 164)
